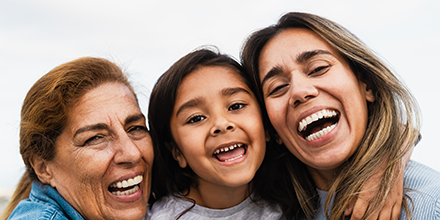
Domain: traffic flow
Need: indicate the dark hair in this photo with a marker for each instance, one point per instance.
(44, 111)
(168, 176)
(394, 108)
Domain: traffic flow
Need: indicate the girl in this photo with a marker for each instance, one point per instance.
(209, 140)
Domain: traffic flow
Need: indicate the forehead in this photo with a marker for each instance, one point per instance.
(293, 41)
(210, 75)
(102, 102)
(286, 46)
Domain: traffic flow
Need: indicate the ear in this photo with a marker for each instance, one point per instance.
(369, 96)
(267, 135)
(43, 171)
(178, 156)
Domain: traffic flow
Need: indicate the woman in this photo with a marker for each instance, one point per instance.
(84, 141)
(342, 113)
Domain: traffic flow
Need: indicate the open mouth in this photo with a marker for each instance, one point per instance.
(230, 153)
(126, 187)
(318, 124)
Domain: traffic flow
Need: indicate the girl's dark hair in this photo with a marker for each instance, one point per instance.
(168, 176)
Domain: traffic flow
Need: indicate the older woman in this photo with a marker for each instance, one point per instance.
(342, 113)
(84, 141)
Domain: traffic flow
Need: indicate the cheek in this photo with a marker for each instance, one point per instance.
(276, 113)
(90, 167)
(146, 148)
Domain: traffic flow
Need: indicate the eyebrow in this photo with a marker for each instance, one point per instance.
(272, 73)
(196, 101)
(301, 58)
(99, 126)
(232, 91)
(191, 103)
(103, 126)
(306, 55)
(133, 118)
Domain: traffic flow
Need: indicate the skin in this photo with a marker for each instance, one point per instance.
(295, 88)
(105, 141)
(215, 108)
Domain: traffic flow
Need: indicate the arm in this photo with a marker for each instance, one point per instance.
(393, 202)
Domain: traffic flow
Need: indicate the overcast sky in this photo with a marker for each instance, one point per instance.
(146, 37)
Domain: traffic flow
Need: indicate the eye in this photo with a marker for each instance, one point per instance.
(319, 70)
(236, 106)
(138, 131)
(94, 140)
(278, 88)
(196, 119)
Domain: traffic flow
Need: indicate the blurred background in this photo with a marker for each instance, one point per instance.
(146, 37)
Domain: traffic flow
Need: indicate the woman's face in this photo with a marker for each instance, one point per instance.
(315, 102)
(103, 158)
(217, 126)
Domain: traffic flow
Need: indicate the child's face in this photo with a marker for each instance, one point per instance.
(217, 125)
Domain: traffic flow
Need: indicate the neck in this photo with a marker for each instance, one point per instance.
(218, 197)
(324, 179)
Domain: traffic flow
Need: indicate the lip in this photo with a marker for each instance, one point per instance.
(132, 197)
(238, 160)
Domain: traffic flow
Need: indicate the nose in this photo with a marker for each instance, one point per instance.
(222, 124)
(127, 151)
(302, 89)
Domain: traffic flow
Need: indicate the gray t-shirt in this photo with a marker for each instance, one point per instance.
(170, 207)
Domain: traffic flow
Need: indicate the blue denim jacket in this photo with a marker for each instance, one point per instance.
(44, 202)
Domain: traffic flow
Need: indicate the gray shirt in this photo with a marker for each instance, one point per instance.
(170, 207)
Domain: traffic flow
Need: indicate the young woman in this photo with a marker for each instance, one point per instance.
(343, 114)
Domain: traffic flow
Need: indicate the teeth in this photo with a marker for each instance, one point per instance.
(315, 117)
(126, 192)
(128, 182)
(233, 158)
(226, 149)
(320, 133)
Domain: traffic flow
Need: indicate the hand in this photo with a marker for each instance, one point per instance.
(391, 208)
(393, 202)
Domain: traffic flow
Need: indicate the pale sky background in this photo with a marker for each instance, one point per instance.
(146, 37)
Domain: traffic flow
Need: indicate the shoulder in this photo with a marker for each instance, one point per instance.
(422, 186)
(28, 209)
(262, 209)
(168, 207)
(44, 202)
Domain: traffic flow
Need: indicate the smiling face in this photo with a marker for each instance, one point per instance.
(103, 158)
(314, 101)
(217, 125)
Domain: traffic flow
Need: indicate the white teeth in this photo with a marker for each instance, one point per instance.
(321, 133)
(315, 117)
(226, 149)
(126, 192)
(233, 158)
(128, 182)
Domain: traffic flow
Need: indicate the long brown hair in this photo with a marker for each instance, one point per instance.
(393, 118)
(44, 111)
